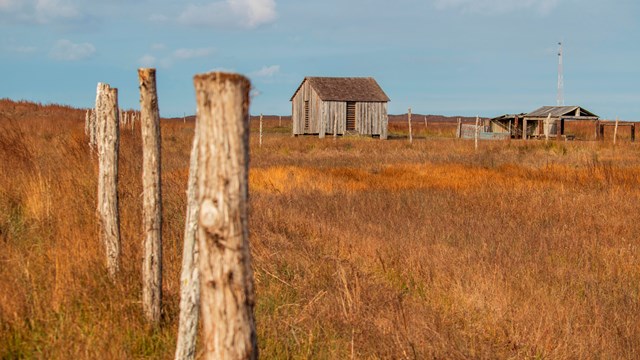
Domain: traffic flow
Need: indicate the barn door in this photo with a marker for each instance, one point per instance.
(351, 115)
(306, 116)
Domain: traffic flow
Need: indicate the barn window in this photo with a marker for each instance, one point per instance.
(306, 115)
(351, 115)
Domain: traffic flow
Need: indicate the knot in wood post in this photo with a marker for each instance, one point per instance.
(226, 278)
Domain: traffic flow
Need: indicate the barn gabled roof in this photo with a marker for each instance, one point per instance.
(561, 111)
(345, 89)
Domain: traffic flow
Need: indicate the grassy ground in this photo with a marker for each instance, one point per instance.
(361, 248)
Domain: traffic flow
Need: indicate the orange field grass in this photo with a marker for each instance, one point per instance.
(361, 248)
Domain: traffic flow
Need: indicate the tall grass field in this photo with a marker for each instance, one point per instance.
(361, 248)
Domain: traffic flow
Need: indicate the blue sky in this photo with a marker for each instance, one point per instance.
(450, 57)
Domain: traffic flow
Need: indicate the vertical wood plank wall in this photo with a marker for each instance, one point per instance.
(371, 117)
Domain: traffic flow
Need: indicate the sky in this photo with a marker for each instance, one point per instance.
(445, 57)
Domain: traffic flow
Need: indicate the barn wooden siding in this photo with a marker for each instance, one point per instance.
(371, 117)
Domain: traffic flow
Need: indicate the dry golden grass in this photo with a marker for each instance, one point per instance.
(361, 248)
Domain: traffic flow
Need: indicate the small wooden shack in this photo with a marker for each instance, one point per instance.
(339, 105)
(540, 122)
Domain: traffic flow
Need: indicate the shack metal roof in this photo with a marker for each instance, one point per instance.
(561, 111)
(345, 89)
(508, 117)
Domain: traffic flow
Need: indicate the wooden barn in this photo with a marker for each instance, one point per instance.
(328, 105)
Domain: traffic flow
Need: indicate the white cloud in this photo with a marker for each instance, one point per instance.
(147, 60)
(7, 4)
(40, 11)
(66, 50)
(230, 13)
(498, 7)
(159, 18)
(267, 71)
(167, 61)
(23, 49)
(185, 54)
(47, 10)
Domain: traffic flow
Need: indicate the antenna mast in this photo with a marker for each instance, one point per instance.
(560, 98)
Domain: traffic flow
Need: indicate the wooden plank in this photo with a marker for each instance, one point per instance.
(351, 115)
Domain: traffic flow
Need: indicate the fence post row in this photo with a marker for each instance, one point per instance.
(152, 196)
(226, 278)
(108, 141)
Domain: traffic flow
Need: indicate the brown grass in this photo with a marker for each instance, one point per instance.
(361, 248)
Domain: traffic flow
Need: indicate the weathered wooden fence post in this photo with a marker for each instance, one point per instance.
(425, 125)
(87, 122)
(260, 129)
(615, 131)
(108, 136)
(280, 121)
(476, 132)
(189, 276)
(409, 120)
(152, 196)
(547, 123)
(459, 129)
(226, 278)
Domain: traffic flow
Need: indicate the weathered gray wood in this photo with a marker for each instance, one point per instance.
(108, 136)
(615, 131)
(226, 278)
(371, 117)
(151, 196)
(476, 132)
(525, 134)
(87, 122)
(547, 122)
(335, 126)
(260, 130)
(409, 120)
(189, 277)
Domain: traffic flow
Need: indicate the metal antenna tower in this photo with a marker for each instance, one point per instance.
(560, 77)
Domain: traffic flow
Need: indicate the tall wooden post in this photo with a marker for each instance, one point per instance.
(87, 122)
(615, 131)
(260, 129)
(547, 122)
(226, 278)
(409, 120)
(280, 121)
(190, 275)
(459, 129)
(108, 141)
(335, 126)
(152, 196)
(476, 133)
(633, 132)
(425, 125)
